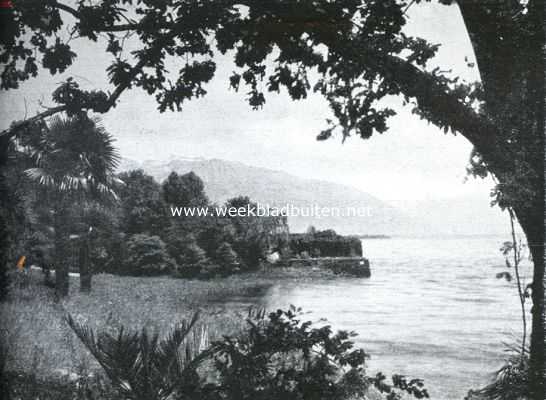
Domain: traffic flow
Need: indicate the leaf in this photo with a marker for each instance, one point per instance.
(505, 275)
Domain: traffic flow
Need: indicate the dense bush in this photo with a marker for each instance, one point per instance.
(194, 262)
(176, 245)
(213, 234)
(227, 258)
(251, 251)
(254, 237)
(142, 209)
(129, 236)
(200, 247)
(281, 357)
(147, 255)
(191, 260)
(277, 357)
(116, 255)
(511, 381)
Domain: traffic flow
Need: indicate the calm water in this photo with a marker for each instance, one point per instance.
(432, 309)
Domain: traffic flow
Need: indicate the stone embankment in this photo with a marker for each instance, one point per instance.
(353, 266)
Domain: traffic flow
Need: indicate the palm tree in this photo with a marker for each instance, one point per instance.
(74, 161)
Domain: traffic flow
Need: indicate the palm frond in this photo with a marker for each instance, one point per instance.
(139, 364)
(40, 176)
(117, 355)
(75, 154)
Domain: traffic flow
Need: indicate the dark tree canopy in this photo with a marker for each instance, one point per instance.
(142, 204)
(184, 190)
(357, 48)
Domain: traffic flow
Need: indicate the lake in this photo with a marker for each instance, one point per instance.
(432, 309)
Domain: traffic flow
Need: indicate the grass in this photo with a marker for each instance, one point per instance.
(41, 343)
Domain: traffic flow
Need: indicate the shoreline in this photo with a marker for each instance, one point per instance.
(35, 322)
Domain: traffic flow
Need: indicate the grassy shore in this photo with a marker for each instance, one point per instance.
(40, 342)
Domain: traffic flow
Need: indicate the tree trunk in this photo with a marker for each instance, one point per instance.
(532, 223)
(4, 235)
(62, 252)
(85, 267)
(509, 51)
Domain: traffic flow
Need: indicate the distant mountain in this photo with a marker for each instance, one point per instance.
(226, 179)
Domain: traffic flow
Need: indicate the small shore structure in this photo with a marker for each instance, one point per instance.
(352, 266)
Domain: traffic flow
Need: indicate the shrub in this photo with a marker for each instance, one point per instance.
(192, 260)
(147, 255)
(227, 258)
(511, 381)
(214, 234)
(281, 357)
(400, 387)
(177, 243)
(142, 209)
(251, 250)
(143, 367)
(278, 357)
(116, 255)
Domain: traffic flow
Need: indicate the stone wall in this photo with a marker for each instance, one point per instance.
(325, 244)
(352, 266)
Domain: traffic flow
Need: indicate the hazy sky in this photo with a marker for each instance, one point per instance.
(412, 161)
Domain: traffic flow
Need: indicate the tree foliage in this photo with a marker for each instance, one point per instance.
(147, 255)
(143, 208)
(278, 356)
(358, 53)
(191, 259)
(184, 190)
(73, 156)
(282, 356)
(227, 258)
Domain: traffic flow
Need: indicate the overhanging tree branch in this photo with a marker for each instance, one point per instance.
(67, 9)
(441, 106)
(109, 28)
(111, 102)
(10, 132)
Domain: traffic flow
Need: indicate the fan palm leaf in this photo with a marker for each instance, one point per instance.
(140, 364)
(74, 156)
